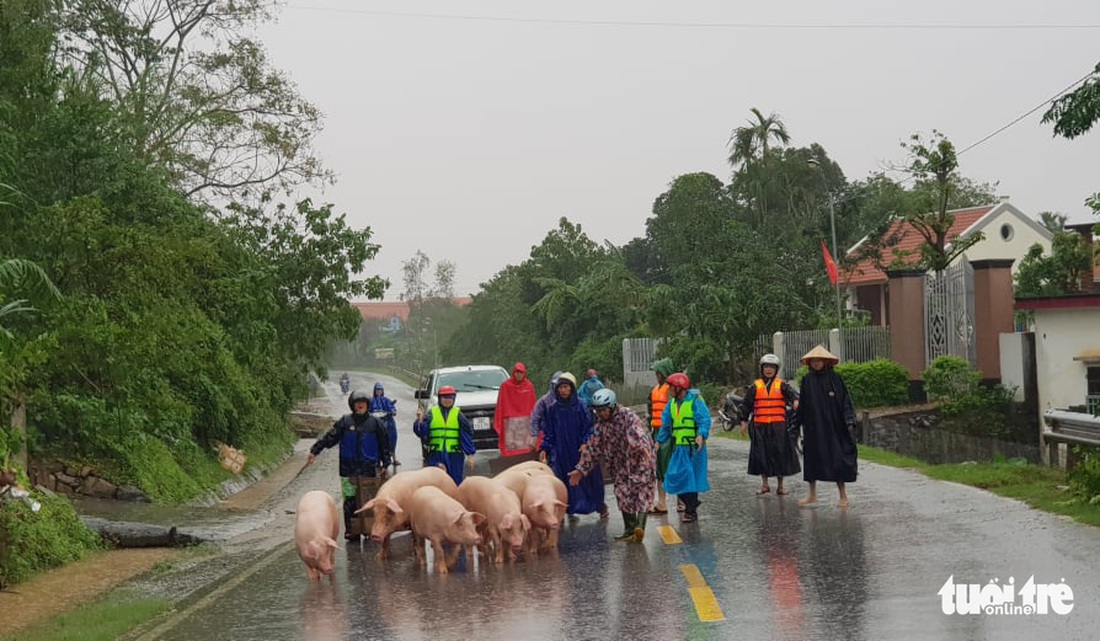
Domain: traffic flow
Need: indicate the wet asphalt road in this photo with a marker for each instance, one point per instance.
(752, 568)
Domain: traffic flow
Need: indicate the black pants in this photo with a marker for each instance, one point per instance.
(691, 501)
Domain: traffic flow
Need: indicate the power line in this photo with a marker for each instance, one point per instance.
(1028, 113)
(709, 25)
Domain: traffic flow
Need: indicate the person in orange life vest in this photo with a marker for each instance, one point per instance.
(516, 399)
(658, 398)
(685, 422)
(772, 451)
(449, 434)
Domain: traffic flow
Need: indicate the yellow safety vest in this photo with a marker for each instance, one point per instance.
(444, 433)
(683, 421)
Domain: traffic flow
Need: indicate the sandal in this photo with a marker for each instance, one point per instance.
(782, 492)
(656, 510)
(762, 491)
(680, 507)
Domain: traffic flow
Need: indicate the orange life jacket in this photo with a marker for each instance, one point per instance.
(769, 406)
(658, 398)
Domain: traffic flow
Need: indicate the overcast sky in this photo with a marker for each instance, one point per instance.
(469, 137)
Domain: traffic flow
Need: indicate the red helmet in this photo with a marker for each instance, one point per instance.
(446, 390)
(679, 379)
(591, 373)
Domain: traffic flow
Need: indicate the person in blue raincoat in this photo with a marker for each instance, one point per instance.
(589, 387)
(686, 423)
(385, 410)
(567, 427)
(538, 415)
(364, 450)
(449, 434)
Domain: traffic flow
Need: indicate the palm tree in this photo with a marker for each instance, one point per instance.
(749, 144)
(16, 273)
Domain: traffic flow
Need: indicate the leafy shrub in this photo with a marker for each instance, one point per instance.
(877, 383)
(1084, 478)
(949, 378)
(31, 542)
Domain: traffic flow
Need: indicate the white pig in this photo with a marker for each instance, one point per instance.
(316, 528)
(505, 523)
(438, 518)
(388, 505)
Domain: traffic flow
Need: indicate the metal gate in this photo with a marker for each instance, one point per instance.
(949, 313)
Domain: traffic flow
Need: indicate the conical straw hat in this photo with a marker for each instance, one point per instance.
(822, 353)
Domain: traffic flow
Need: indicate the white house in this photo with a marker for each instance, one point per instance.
(1007, 234)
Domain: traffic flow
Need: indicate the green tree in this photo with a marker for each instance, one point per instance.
(934, 165)
(749, 144)
(1058, 274)
(196, 96)
(1075, 113)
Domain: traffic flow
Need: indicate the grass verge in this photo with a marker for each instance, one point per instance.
(1043, 488)
(102, 620)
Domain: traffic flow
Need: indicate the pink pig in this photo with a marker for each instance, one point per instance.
(544, 502)
(316, 528)
(388, 505)
(504, 520)
(441, 519)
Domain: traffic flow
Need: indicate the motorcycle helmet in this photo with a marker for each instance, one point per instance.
(679, 379)
(770, 359)
(603, 398)
(378, 387)
(356, 396)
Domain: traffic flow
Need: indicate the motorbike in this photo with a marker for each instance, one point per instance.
(730, 414)
(345, 385)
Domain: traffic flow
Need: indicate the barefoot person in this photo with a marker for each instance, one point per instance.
(772, 450)
(828, 426)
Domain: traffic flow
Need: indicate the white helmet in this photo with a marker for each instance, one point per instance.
(770, 359)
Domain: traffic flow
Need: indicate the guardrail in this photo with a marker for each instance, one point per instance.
(1071, 427)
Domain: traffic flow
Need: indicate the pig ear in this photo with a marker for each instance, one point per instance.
(560, 504)
(331, 543)
(507, 520)
(393, 505)
(366, 506)
(537, 504)
(478, 518)
(525, 521)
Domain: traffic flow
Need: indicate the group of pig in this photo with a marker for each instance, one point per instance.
(518, 511)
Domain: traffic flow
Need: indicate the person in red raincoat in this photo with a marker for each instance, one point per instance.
(515, 401)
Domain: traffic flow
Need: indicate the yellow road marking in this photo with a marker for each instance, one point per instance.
(706, 606)
(669, 535)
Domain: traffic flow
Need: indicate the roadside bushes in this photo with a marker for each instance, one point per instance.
(1084, 477)
(31, 542)
(877, 383)
(971, 408)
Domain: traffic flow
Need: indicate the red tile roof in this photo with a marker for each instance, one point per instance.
(387, 310)
(866, 273)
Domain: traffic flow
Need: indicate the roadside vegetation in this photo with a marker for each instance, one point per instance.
(160, 293)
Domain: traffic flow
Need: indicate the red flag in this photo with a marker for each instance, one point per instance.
(830, 264)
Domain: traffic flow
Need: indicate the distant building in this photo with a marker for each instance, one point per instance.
(392, 316)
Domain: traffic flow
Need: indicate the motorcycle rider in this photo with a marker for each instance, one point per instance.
(345, 383)
(385, 409)
(364, 450)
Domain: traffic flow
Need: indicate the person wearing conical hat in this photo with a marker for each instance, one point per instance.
(828, 426)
